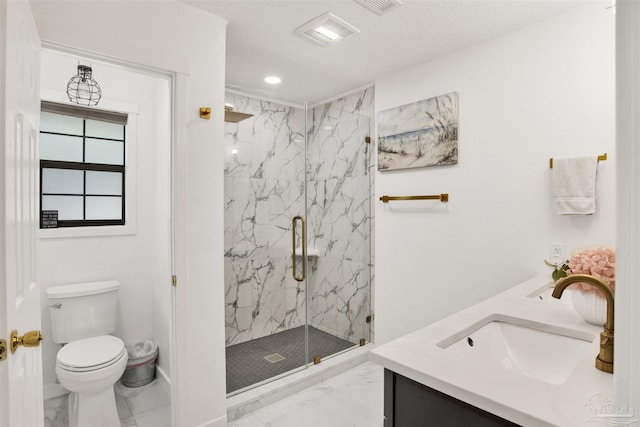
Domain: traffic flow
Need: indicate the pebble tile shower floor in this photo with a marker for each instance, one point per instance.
(246, 363)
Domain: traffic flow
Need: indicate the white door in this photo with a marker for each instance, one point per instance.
(21, 372)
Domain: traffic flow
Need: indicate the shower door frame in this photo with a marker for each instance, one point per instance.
(240, 145)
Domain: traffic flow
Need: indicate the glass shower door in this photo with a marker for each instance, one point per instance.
(339, 229)
(265, 306)
(297, 238)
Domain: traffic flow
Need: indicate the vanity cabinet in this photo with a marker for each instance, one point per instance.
(411, 404)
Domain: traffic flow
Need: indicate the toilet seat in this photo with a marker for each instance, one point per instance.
(91, 353)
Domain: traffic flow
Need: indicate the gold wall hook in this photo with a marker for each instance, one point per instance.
(205, 113)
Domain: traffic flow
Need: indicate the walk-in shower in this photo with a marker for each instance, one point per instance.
(297, 181)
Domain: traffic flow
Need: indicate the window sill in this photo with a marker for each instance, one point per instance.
(70, 232)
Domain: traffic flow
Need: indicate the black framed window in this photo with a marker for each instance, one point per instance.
(82, 166)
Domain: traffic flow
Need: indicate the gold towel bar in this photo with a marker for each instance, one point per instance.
(601, 158)
(442, 197)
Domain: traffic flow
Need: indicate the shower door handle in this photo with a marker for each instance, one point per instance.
(294, 257)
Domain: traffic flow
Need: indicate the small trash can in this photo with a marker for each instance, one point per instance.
(141, 366)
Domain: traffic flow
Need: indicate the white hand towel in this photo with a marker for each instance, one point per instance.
(574, 185)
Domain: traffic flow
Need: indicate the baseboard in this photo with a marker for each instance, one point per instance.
(219, 422)
(49, 391)
(163, 374)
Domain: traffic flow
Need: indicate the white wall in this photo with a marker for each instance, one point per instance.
(544, 91)
(175, 37)
(140, 261)
(626, 380)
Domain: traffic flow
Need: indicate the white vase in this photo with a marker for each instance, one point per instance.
(591, 306)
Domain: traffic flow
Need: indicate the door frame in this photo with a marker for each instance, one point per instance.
(172, 76)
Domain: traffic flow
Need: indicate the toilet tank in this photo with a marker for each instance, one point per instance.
(83, 310)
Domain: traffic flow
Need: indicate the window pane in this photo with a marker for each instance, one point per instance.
(104, 207)
(104, 152)
(104, 183)
(59, 123)
(59, 147)
(68, 207)
(62, 181)
(104, 130)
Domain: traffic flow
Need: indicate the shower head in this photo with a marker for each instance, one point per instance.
(231, 116)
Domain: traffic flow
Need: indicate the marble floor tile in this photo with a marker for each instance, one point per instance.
(364, 384)
(128, 422)
(147, 406)
(334, 410)
(142, 399)
(293, 403)
(354, 398)
(247, 421)
(55, 412)
(157, 417)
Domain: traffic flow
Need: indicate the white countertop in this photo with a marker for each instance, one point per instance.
(522, 400)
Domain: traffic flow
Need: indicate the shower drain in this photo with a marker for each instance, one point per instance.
(275, 357)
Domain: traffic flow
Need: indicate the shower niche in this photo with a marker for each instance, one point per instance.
(284, 162)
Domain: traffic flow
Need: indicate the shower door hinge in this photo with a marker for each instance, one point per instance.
(174, 281)
(367, 139)
(369, 318)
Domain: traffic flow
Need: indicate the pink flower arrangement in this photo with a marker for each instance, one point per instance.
(597, 262)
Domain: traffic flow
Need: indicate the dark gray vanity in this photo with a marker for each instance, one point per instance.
(411, 404)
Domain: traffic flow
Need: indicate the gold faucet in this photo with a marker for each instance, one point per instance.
(604, 360)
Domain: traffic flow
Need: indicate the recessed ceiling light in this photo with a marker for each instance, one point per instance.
(328, 33)
(272, 80)
(327, 29)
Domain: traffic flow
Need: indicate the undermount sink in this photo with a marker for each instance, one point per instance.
(544, 294)
(536, 350)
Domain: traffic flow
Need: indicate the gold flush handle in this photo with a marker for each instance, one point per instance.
(30, 339)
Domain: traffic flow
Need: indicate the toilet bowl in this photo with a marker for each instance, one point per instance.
(91, 361)
(89, 368)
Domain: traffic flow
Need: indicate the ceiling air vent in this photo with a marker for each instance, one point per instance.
(327, 29)
(380, 7)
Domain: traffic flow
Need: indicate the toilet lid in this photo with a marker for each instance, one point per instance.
(90, 353)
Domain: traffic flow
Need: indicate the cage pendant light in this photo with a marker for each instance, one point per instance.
(82, 88)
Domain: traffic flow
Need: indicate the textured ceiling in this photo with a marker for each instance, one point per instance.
(261, 40)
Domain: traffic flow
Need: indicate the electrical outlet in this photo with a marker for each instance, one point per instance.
(557, 253)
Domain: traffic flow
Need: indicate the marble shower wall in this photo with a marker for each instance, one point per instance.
(264, 190)
(339, 218)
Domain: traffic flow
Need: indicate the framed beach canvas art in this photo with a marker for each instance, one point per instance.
(424, 133)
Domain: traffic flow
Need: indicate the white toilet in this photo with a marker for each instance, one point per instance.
(90, 362)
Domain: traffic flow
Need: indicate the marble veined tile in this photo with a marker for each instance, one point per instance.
(364, 384)
(140, 399)
(353, 398)
(265, 188)
(359, 103)
(336, 146)
(294, 403)
(157, 417)
(332, 409)
(247, 421)
(340, 298)
(55, 412)
(128, 422)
